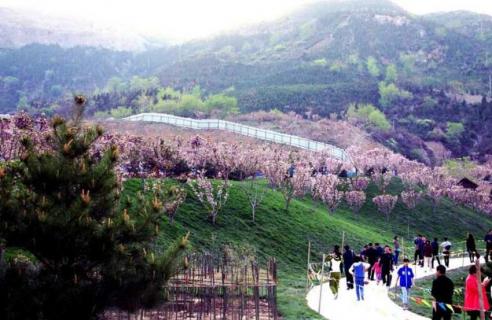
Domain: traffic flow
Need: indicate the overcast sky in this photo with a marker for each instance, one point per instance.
(196, 18)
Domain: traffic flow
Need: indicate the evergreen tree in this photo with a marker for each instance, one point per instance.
(82, 251)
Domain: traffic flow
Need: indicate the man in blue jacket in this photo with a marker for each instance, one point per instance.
(405, 277)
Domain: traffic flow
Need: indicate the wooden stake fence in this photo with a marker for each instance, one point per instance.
(211, 289)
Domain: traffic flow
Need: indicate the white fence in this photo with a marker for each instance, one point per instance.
(253, 132)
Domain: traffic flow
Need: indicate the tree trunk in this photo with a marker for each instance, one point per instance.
(287, 203)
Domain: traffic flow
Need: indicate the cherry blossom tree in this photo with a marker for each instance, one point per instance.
(173, 196)
(355, 200)
(385, 203)
(286, 174)
(359, 183)
(410, 198)
(213, 196)
(382, 180)
(325, 188)
(255, 193)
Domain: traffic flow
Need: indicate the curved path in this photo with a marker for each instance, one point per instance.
(257, 133)
(377, 304)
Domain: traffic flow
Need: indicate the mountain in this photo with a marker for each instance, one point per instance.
(22, 27)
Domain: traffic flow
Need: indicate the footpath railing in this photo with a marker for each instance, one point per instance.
(257, 133)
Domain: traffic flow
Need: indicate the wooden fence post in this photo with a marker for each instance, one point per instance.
(308, 265)
(321, 283)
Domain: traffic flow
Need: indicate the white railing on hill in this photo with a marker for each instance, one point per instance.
(253, 132)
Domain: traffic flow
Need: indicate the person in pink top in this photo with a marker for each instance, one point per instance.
(472, 304)
(378, 271)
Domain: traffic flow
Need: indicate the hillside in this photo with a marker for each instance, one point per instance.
(284, 235)
(430, 75)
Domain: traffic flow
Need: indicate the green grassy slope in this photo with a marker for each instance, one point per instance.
(285, 235)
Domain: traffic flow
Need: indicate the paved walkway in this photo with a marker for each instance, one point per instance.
(377, 304)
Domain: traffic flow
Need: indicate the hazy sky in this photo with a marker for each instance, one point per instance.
(196, 18)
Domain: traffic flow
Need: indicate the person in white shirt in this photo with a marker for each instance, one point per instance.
(446, 251)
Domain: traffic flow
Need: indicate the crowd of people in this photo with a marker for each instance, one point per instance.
(376, 263)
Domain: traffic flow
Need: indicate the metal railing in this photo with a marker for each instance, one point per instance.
(257, 133)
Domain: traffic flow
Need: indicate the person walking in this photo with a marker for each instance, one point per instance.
(423, 240)
(488, 245)
(396, 247)
(435, 252)
(358, 271)
(442, 291)
(386, 266)
(371, 259)
(378, 271)
(472, 303)
(335, 260)
(471, 247)
(405, 279)
(417, 241)
(348, 260)
(446, 251)
(428, 255)
(379, 250)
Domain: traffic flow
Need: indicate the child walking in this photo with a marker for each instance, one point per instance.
(378, 271)
(405, 275)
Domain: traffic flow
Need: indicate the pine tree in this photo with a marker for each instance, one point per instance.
(84, 250)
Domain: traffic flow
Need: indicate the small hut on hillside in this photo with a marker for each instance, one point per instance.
(467, 184)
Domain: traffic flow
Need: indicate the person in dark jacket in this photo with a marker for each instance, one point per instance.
(417, 241)
(386, 265)
(371, 255)
(379, 250)
(348, 260)
(422, 242)
(488, 245)
(442, 291)
(471, 248)
(362, 254)
(435, 252)
(428, 255)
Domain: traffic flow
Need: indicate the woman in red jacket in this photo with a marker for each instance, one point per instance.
(472, 304)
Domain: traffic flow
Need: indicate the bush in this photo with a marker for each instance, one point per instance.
(368, 114)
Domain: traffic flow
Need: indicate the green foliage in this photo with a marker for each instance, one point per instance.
(408, 61)
(372, 67)
(121, 112)
(144, 84)
(75, 252)
(390, 93)
(391, 73)
(101, 115)
(454, 130)
(370, 115)
(337, 66)
(320, 62)
(222, 105)
(116, 84)
(460, 168)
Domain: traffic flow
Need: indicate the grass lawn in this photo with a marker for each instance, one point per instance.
(285, 235)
